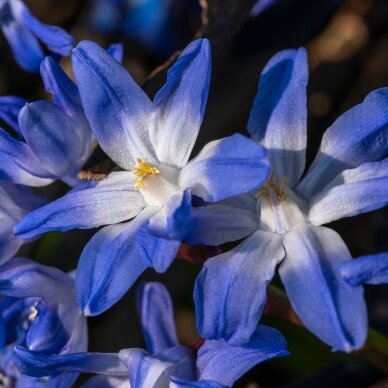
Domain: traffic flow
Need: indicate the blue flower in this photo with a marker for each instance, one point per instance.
(283, 219)
(166, 362)
(15, 202)
(23, 32)
(53, 140)
(39, 309)
(261, 6)
(152, 142)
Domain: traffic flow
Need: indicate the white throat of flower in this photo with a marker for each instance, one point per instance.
(280, 209)
(157, 183)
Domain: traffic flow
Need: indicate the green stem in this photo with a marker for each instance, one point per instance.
(374, 351)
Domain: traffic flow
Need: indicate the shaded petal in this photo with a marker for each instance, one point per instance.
(38, 364)
(230, 291)
(112, 200)
(25, 47)
(180, 383)
(107, 382)
(157, 317)
(116, 107)
(9, 110)
(360, 135)
(261, 6)
(371, 269)
(223, 363)
(174, 219)
(116, 50)
(278, 119)
(217, 224)
(224, 168)
(56, 39)
(330, 308)
(53, 138)
(352, 192)
(115, 257)
(180, 104)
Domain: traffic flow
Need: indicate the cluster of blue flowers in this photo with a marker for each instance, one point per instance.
(251, 190)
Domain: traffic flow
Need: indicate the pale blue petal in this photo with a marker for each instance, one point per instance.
(112, 200)
(352, 192)
(230, 291)
(217, 224)
(225, 168)
(107, 382)
(9, 110)
(157, 317)
(330, 308)
(180, 104)
(223, 363)
(278, 119)
(174, 219)
(359, 136)
(117, 108)
(371, 269)
(116, 50)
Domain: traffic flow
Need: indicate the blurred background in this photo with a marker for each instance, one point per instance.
(347, 43)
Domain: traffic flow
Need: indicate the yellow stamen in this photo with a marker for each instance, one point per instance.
(33, 314)
(278, 188)
(142, 170)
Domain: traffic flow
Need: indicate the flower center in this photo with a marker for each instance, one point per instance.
(279, 206)
(142, 170)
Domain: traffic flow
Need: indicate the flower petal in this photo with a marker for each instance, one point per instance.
(25, 47)
(278, 119)
(56, 39)
(174, 219)
(38, 364)
(224, 168)
(157, 317)
(107, 382)
(217, 224)
(331, 309)
(115, 257)
(112, 200)
(352, 192)
(116, 50)
(116, 107)
(358, 136)
(230, 291)
(9, 110)
(223, 363)
(371, 269)
(180, 383)
(180, 104)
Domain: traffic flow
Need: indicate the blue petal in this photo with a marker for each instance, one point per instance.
(224, 168)
(352, 192)
(9, 110)
(331, 309)
(53, 138)
(61, 87)
(230, 291)
(180, 383)
(359, 136)
(116, 50)
(25, 47)
(371, 269)
(38, 364)
(174, 219)
(278, 119)
(112, 200)
(180, 105)
(117, 108)
(111, 262)
(220, 223)
(56, 39)
(157, 317)
(223, 363)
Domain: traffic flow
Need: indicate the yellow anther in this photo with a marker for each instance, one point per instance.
(33, 313)
(142, 170)
(278, 188)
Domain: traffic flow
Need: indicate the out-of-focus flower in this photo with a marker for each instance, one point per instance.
(166, 363)
(23, 32)
(261, 6)
(38, 310)
(15, 202)
(283, 219)
(152, 142)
